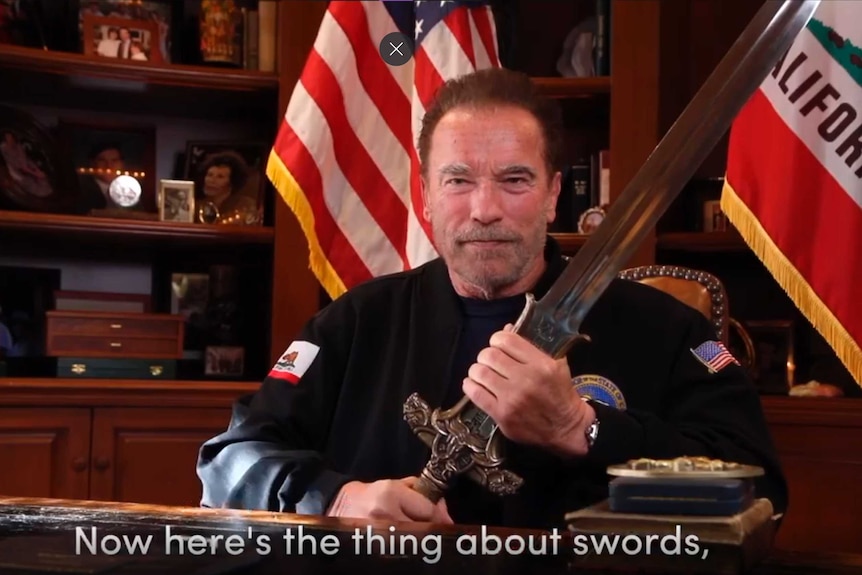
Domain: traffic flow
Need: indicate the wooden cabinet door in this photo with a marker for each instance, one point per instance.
(148, 455)
(45, 452)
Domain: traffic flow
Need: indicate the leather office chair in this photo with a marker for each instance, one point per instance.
(698, 289)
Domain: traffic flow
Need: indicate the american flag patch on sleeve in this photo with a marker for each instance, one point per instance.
(714, 355)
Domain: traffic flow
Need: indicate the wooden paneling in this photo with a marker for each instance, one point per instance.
(295, 289)
(149, 455)
(819, 441)
(45, 452)
(635, 68)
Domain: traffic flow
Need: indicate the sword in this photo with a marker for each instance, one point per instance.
(464, 439)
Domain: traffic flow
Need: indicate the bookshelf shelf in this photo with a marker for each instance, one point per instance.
(569, 243)
(77, 65)
(33, 77)
(129, 230)
(561, 88)
(729, 241)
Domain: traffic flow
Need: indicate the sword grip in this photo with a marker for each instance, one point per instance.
(428, 488)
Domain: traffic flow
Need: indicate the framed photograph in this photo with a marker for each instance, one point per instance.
(774, 364)
(22, 23)
(229, 181)
(714, 219)
(224, 361)
(102, 301)
(31, 177)
(138, 30)
(176, 201)
(101, 154)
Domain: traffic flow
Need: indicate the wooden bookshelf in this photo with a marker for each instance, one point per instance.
(122, 230)
(562, 88)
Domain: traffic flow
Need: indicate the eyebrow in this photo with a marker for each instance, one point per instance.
(457, 169)
(454, 170)
(516, 169)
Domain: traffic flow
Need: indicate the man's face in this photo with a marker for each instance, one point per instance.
(110, 160)
(488, 194)
(125, 35)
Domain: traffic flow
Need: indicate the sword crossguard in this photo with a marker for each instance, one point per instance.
(456, 450)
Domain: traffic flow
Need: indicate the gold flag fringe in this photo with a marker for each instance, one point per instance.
(792, 282)
(293, 195)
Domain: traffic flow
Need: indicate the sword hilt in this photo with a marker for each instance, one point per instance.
(456, 449)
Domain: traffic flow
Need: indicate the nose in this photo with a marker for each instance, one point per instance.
(486, 203)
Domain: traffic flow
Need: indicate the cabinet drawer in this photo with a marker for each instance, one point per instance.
(113, 326)
(90, 346)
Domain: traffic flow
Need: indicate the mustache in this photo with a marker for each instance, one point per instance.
(489, 234)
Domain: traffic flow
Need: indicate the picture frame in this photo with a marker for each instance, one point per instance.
(99, 153)
(22, 23)
(147, 21)
(224, 361)
(774, 366)
(190, 298)
(229, 180)
(714, 218)
(102, 301)
(33, 174)
(176, 201)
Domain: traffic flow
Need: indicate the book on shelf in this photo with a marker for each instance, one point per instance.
(585, 185)
(251, 37)
(267, 18)
(602, 40)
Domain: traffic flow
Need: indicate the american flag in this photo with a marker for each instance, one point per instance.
(714, 355)
(344, 158)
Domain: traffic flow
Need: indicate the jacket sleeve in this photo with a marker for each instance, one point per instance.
(717, 415)
(269, 457)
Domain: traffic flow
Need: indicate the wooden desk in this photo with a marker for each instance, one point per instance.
(39, 536)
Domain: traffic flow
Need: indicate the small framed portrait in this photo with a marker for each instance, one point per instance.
(229, 181)
(137, 30)
(714, 219)
(176, 201)
(115, 167)
(774, 365)
(224, 361)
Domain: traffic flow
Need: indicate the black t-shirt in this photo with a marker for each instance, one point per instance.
(468, 502)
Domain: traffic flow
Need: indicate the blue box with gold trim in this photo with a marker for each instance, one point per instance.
(680, 496)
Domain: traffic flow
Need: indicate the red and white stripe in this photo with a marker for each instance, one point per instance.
(349, 135)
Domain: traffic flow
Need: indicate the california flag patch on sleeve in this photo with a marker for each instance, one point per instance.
(295, 361)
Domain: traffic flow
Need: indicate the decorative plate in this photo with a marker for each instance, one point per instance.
(684, 468)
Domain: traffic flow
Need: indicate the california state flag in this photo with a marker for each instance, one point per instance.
(794, 175)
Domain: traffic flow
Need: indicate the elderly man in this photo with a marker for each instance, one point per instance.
(325, 434)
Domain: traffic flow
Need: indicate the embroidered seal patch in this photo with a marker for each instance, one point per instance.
(295, 361)
(714, 356)
(600, 389)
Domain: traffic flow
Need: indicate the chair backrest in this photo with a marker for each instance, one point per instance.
(698, 289)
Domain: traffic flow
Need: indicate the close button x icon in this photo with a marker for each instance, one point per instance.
(396, 48)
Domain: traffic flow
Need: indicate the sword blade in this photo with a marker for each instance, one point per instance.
(553, 323)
